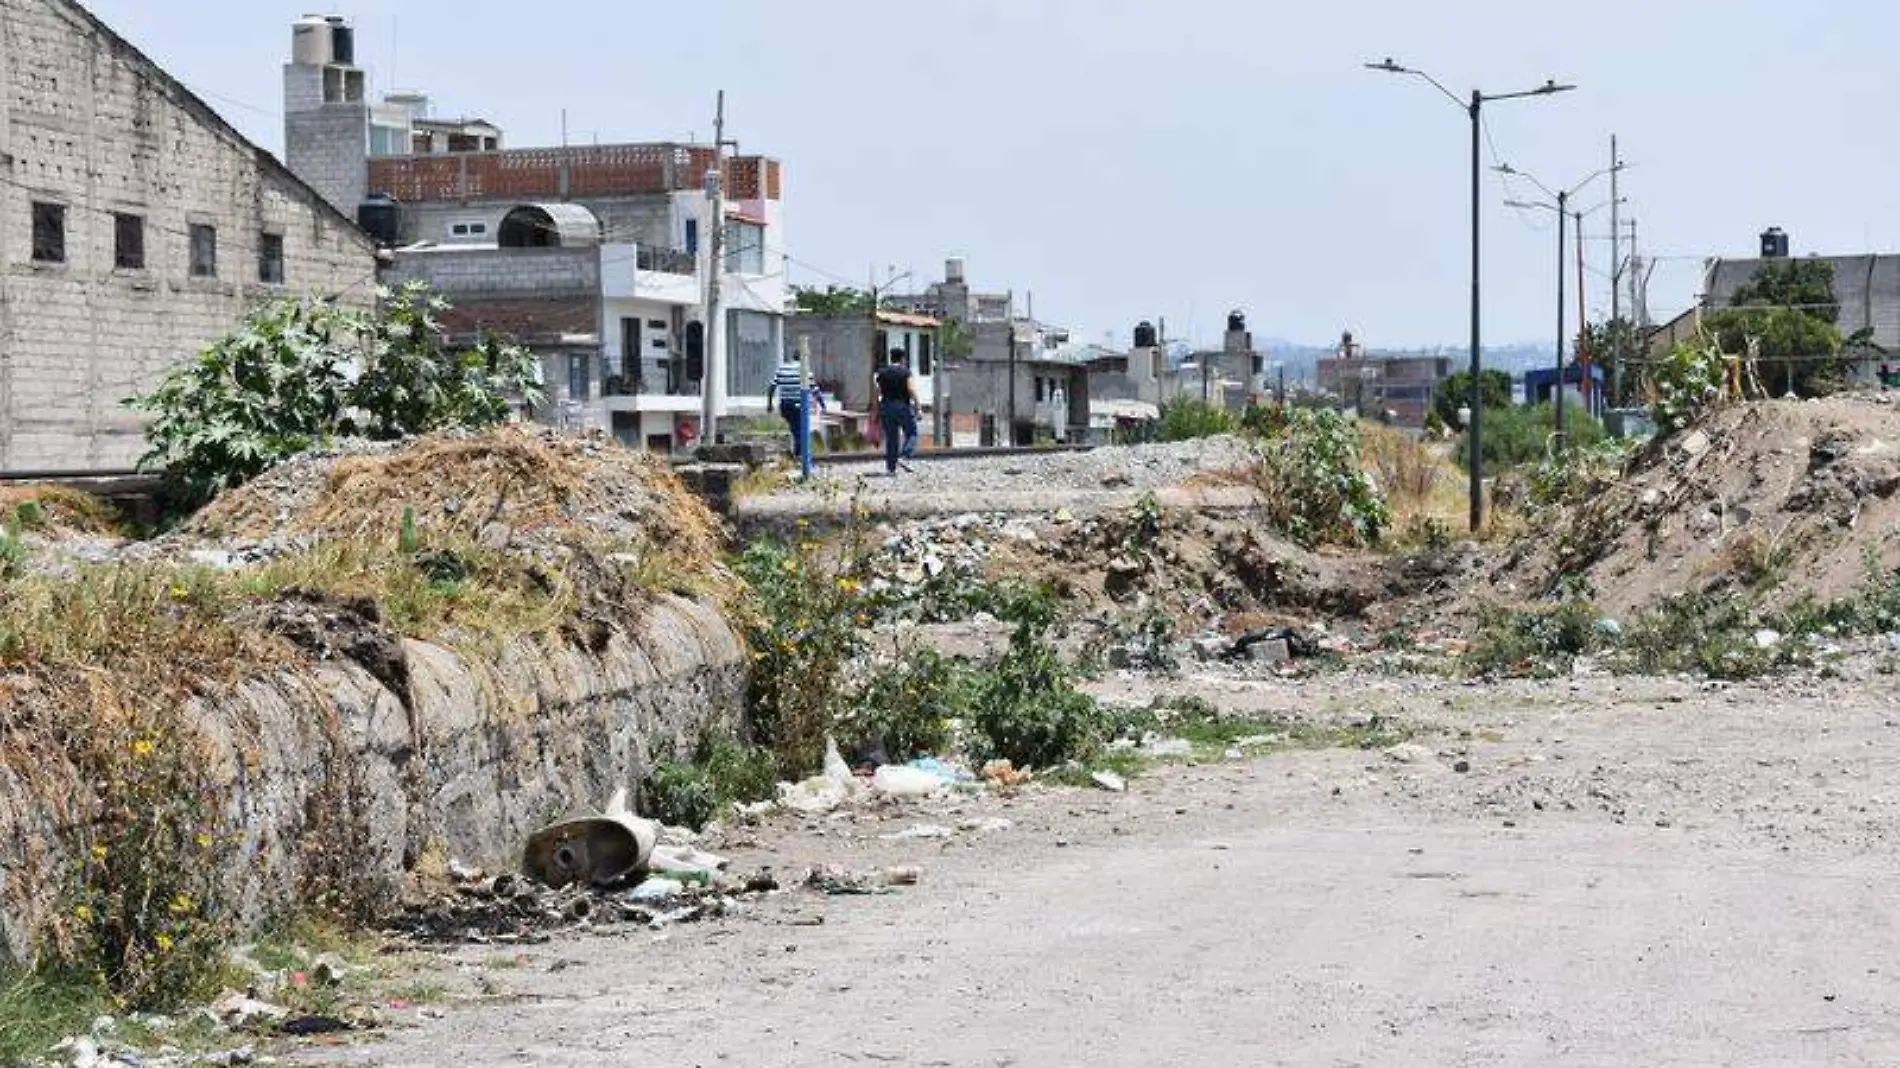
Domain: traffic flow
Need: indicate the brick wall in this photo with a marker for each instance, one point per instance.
(575, 172)
(87, 122)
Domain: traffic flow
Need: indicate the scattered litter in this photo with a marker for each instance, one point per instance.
(657, 891)
(898, 781)
(1110, 781)
(822, 793)
(306, 1026)
(988, 825)
(596, 850)
(836, 879)
(239, 1011)
(1767, 638)
(951, 774)
(1004, 773)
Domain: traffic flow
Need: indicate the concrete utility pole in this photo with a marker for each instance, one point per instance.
(1612, 379)
(715, 336)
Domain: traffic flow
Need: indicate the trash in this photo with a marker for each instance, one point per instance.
(657, 891)
(951, 774)
(463, 873)
(985, 826)
(687, 863)
(1004, 773)
(1290, 641)
(1609, 628)
(306, 1026)
(898, 781)
(836, 880)
(240, 1011)
(1410, 753)
(1767, 639)
(1170, 747)
(596, 850)
(902, 876)
(329, 970)
(1893, 641)
(240, 1055)
(920, 831)
(1695, 443)
(1271, 651)
(822, 793)
(1110, 781)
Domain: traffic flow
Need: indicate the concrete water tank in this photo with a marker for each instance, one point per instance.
(311, 41)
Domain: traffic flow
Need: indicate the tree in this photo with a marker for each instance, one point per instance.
(954, 341)
(1609, 344)
(831, 302)
(1455, 393)
(297, 373)
(1789, 310)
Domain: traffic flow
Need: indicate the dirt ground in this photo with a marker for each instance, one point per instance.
(1652, 872)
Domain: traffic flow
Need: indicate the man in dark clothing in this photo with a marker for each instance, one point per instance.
(897, 411)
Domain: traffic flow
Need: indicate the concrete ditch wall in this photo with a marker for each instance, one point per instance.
(473, 755)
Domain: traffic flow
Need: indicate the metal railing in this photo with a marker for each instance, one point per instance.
(663, 376)
(666, 260)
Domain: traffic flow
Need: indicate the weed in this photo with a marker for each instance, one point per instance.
(1699, 633)
(723, 772)
(39, 1008)
(1536, 642)
(1025, 709)
(1757, 561)
(1312, 482)
(1189, 418)
(904, 708)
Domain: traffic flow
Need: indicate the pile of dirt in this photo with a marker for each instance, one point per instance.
(503, 486)
(1780, 499)
(55, 512)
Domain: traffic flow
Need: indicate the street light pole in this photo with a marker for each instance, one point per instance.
(1563, 198)
(1475, 110)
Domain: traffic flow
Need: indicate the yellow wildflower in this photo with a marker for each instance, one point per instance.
(165, 943)
(142, 747)
(203, 840)
(84, 913)
(99, 852)
(181, 904)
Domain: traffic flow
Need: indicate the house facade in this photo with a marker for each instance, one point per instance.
(846, 351)
(1376, 385)
(138, 227)
(598, 257)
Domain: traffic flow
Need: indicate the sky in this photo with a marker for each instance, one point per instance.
(1136, 159)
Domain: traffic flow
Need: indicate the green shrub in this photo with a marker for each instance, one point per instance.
(1314, 487)
(1536, 642)
(723, 772)
(299, 372)
(1188, 418)
(904, 709)
(1025, 709)
(1516, 435)
(1685, 383)
(1697, 633)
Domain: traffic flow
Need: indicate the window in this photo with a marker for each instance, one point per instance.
(923, 354)
(204, 251)
(578, 377)
(49, 233)
(128, 242)
(745, 248)
(692, 236)
(270, 259)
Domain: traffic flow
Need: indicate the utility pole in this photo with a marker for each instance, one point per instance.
(715, 336)
(1638, 305)
(1583, 327)
(1612, 380)
(1563, 214)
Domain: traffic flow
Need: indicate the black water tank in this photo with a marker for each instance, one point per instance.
(381, 218)
(342, 42)
(1774, 244)
(1236, 322)
(1145, 335)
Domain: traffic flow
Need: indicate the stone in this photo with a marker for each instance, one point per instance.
(1110, 781)
(1461, 767)
(1271, 651)
(1410, 753)
(1695, 443)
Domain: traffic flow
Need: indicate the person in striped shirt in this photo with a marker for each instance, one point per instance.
(784, 390)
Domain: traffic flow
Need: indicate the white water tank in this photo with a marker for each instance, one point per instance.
(312, 43)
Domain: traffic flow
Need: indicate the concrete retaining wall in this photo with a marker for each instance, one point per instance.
(475, 754)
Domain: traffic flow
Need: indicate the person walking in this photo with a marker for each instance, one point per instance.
(785, 390)
(897, 411)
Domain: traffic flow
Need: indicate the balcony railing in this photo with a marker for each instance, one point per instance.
(663, 376)
(666, 260)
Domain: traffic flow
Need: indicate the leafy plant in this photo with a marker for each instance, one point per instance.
(297, 373)
(1188, 418)
(1025, 709)
(904, 708)
(1536, 642)
(1455, 393)
(1315, 489)
(1685, 383)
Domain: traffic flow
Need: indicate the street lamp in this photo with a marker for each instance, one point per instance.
(1564, 214)
(1475, 110)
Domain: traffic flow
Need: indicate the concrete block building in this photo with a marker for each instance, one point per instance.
(136, 226)
(598, 257)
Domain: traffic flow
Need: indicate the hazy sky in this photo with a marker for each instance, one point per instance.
(1129, 159)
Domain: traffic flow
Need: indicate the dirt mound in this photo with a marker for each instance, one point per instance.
(505, 485)
(1781, 499)
(55, 511)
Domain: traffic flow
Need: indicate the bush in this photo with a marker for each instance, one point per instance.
(1187, 418)
(1712, 636)
(803, 611)
(723, 772)
(905, 707)
(1315, 489)
(1516, 435)
(1581, 473)
(1538, 642)
(1684, 384)
(1025, 710)
(298, 373)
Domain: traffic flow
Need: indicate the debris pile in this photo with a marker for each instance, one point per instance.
(1782, 498)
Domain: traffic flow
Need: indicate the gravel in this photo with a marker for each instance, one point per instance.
(1136, 467)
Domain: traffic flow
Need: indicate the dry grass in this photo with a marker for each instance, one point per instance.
(1424, 488)
(58, 510)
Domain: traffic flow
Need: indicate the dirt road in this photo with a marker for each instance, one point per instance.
(1626, 873)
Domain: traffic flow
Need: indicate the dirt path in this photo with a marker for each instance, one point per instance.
(1627, 873)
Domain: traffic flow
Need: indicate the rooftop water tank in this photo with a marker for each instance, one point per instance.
(381, 218)
(1145, 335)
(342, 41)
(311, 41)
(1774, 244)
(953, 270)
